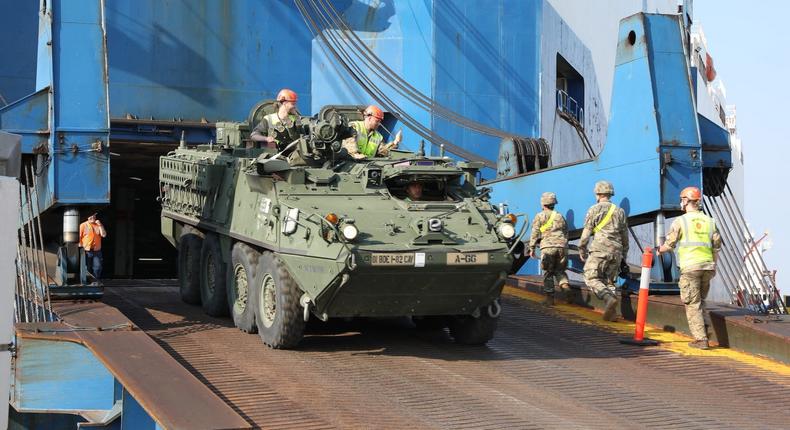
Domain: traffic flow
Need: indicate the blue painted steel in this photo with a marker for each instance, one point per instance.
(28, 117)
(134, 416)
(629, 160)
(53, 376)
(60, 376)
(69, 107)
(80, 115)
(397, 32)
(210, 58)
(487, 67)
(652, 113)
(18, 56)
(716, 151)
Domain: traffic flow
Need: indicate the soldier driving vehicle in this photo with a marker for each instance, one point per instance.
(273, 241)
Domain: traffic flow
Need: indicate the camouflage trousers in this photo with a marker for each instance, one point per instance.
(553, 262)
(694, 286)
(600, 271)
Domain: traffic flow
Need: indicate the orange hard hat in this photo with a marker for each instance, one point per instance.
(375, 112)
(286, 95)
(691, 193)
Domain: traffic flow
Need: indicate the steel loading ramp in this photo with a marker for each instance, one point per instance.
(540, 370)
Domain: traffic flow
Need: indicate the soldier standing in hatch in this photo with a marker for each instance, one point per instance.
(367, 141)
(608, 249)
(286, 116)
(550, 229)
(698, 242)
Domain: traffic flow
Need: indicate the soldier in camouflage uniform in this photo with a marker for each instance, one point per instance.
(698, 242)
(608, 249)
(286, 117)
(550, 229)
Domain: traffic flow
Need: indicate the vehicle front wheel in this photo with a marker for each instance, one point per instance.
(244, 260)
(189, 244)
(278, 313)
(468, 330)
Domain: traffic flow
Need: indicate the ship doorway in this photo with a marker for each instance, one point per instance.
(135, 246)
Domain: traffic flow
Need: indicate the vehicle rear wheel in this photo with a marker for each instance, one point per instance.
(212, 278)
(278, 313)
(469, 330)
(189, 244)
(244, 260)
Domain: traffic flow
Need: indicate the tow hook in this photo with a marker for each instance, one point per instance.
(494, 309)
(351, 262)
(305, 302)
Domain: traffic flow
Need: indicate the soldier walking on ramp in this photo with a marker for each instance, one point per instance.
(608, 249)
(698, 242)
(550, 229)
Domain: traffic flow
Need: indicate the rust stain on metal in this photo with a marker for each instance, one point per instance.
(167, 391)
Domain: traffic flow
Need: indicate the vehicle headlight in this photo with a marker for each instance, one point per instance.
(506, 230)
(350, 231)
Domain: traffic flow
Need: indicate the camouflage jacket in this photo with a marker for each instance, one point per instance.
(676, 233)
(554, 234)
(612, 237)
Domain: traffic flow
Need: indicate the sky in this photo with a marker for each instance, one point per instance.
(750, 46)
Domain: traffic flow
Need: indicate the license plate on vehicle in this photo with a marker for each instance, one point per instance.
(399, 259)
(466, 258)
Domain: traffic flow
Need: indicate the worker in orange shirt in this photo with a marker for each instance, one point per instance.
(91, 233)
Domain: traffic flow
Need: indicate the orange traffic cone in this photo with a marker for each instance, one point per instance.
(641, 304)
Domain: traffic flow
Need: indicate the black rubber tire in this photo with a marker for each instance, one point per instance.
(213, 278)
(468, 330)
(278, 314)
(189, 244)
(430, 323)
(241, 305)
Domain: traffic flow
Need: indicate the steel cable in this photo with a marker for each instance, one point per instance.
(755, 263)
(730, 253)
(375, 64)
(347, 62)
(365, 82)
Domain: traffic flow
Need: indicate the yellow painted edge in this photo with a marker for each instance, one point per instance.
(674, 342)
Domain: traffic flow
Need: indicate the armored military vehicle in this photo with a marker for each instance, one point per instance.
(272, 238)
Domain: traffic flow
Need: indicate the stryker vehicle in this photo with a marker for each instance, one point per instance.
(272, 237)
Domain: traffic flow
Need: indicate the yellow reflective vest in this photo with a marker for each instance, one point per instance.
(696, 241)
(368, 143)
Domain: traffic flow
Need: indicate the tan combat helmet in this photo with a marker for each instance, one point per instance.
(548, 198)
(604, 187)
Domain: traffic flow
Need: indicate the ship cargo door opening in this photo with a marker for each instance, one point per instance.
(136, 248)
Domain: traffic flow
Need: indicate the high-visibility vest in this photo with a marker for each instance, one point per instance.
(90, 239)
(274, 119)
(606, 218)
(368, 142)
(549, 223)
(696, 241)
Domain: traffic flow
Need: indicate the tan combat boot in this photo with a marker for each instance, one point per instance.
(570, 293)
(548, 301)
(610, 308)
(700, 344)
